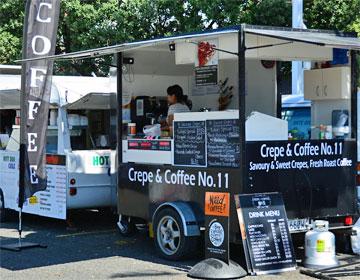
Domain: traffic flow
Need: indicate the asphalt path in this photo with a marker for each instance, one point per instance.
(92, 248)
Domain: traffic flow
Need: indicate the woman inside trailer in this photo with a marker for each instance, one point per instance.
(178, 103)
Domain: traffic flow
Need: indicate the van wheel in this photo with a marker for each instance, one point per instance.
(126, 227)
(2, 208)
(170, 241)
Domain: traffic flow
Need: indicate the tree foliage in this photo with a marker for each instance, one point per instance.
(332, 14)
(93, 23)
(11, 22)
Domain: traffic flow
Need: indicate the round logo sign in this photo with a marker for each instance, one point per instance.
(216, 234)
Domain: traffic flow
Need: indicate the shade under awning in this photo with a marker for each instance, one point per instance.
(321, 38)
(9, 99)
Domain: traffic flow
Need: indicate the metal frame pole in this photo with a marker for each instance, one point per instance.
(354, 98)
(278, 93)
(242, 119)
(242, 99)
(119, 120)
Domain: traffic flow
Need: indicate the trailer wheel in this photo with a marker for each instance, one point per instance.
(170, 241)
(2, 208)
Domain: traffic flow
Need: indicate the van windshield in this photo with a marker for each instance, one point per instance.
(91, 130)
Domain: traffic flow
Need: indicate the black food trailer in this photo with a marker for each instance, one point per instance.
(233, 139)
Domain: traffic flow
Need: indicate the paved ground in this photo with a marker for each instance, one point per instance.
(94, 250)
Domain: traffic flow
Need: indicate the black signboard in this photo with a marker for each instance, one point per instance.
(223, 147)
(265, 232)
(189, 143)
(315, 177)
(217, 225)
(206, 75)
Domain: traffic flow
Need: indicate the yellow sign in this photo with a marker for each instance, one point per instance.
(33, 200)
(320, 246)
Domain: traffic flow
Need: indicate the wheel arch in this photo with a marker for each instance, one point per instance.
(188, 218)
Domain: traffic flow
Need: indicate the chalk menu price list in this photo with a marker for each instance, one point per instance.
(223, 143)
(267, 238)
(189, 143)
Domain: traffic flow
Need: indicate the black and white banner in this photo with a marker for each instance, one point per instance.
(40, 28)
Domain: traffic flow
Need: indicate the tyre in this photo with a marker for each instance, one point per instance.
(3, 211)
(126, 227)
(169, 238)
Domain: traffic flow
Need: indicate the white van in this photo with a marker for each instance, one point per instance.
(80, 148)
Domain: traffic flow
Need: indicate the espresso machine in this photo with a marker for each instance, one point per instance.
(146, 110)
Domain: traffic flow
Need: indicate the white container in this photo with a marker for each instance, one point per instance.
(328, 132)
(84, 121)
(320, 246)
(102, 141)
(74, 119)
(53, 117)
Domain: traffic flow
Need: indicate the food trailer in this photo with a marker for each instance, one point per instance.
(233, 139)
(80, 147)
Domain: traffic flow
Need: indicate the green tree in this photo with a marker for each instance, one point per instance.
(332, 14)
(11, 22)
(85, 25)
(88, 24)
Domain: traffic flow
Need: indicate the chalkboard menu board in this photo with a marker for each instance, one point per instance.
(223, 147)
(265, 232)
(189, 143)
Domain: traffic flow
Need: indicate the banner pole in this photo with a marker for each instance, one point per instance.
(18, 246)
(20, 226)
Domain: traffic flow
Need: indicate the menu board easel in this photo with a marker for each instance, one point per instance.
(265, 233)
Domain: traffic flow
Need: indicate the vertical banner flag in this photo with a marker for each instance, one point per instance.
(39, 39)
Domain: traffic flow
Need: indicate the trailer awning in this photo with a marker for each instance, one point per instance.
(64, 89)
(270, 35)
(96, 52)
(94, 100)
(316, 37)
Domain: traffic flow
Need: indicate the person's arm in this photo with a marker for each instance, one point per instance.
(170, 116)
(170, 119)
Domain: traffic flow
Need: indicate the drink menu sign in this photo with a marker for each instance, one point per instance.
(52, 201)
(265, 233)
